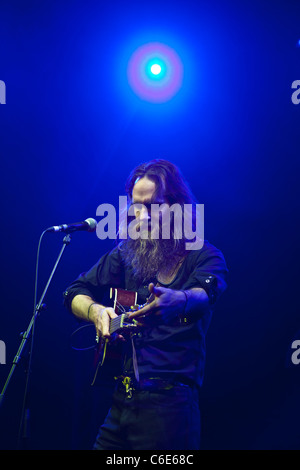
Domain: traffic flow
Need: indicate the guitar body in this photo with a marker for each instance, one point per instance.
(108, 355)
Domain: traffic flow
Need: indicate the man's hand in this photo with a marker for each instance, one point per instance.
(167, 303)
(85, 308)
(101, 317)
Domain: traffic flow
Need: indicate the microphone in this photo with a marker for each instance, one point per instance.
(88, 225)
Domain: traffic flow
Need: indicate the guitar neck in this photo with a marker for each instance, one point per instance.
(118, 323)
(126, 299)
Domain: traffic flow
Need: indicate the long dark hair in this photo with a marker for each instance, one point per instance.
(168, 179)
(148, 257)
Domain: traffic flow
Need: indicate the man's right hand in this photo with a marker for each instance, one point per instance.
(101, 317)
(85, 308)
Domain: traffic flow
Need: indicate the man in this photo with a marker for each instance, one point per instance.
(156, 402)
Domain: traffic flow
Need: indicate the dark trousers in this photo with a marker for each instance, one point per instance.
(152, 420)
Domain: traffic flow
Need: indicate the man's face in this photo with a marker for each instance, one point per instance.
(148, 254)
(143, 193)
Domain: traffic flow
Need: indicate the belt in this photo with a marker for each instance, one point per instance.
(128, 384)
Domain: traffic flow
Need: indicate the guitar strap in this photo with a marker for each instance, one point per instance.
(134, 361)
(134, 358)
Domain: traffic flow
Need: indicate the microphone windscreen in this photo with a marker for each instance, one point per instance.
(92, 223)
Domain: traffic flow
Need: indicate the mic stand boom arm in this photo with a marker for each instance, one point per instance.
(37, 309)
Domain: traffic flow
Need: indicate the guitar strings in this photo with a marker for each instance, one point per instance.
(115, 321)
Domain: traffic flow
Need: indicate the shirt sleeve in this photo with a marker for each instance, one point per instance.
(208, 270)
(106, 273)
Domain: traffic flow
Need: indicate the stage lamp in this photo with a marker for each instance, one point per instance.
(155, 69)
(155, 72)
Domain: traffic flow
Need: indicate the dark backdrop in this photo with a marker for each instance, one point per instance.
(69, 135)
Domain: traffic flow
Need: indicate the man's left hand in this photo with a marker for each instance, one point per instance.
(167, 303)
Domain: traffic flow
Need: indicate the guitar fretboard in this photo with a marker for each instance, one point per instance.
(119, 322)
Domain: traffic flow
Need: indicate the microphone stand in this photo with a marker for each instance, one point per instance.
(25, 336)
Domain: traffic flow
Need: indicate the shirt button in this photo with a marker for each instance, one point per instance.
(207, 280)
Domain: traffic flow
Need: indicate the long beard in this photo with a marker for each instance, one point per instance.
(148, 257)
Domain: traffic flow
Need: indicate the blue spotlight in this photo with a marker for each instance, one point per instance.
(155, 72)
(155, 69)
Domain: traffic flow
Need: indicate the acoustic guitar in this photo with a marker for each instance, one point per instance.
(123, 302)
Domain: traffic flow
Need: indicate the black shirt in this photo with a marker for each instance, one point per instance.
(174, 350)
